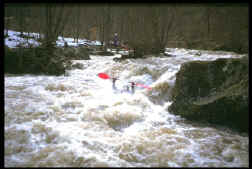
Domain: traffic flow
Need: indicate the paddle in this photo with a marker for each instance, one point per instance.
(144, 86)
(105, 76)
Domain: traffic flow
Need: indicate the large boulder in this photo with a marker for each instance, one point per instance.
(42, 60)
(213, 91)
(83, 53)
(103, 53)
(37, 60)
(76, 53)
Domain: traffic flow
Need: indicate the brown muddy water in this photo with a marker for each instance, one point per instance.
(78, 120)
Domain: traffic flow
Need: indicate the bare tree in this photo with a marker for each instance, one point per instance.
(208, 17)
(76, 27)
(100, 24)
(56, 19)
(105, 22)
(159, 22)
(149, 28)
(7, 21)
(20, 18)
(134, 35)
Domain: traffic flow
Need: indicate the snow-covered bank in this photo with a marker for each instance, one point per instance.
(14, 39)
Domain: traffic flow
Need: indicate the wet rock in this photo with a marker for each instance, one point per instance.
(213, 91)
(34, 60)
(78, 53)
(77, 66)
(168, 54)
(160, 93)
(123, 57)
(104, 53)
(83, 53)
(42, 60)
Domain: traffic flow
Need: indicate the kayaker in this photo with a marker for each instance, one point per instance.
(113, 81)
(127, 87)
(133, 87)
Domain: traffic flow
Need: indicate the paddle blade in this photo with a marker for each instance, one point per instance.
(144, 86)
(103, 76)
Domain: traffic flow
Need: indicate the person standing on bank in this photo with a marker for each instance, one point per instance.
(116, 42)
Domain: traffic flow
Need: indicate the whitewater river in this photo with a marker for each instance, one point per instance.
(78, 120)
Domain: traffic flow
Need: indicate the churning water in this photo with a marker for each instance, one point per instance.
(78, 120)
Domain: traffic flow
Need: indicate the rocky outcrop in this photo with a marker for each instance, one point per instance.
(40, 60)
(102, 53)
(77, 53)
(37, 60)
(213, 91)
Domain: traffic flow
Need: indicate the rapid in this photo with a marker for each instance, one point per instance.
(78, 120)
